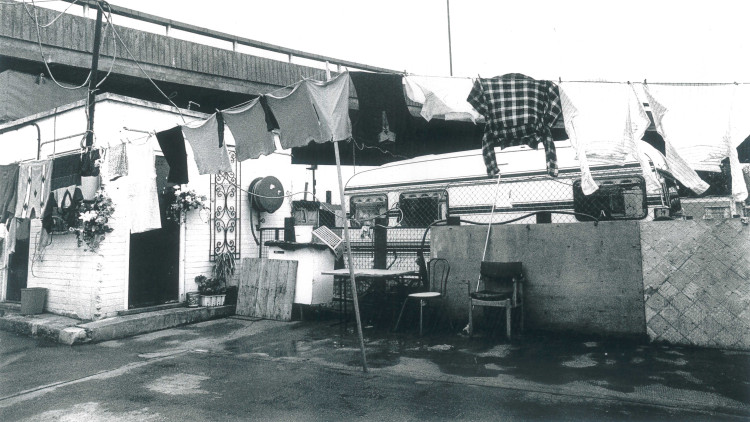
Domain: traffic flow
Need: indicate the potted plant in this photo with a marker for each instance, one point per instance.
(211, 290)
(180, 202)
(93, 221)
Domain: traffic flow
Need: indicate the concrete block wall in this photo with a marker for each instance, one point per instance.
(579, 277)
(696, 276)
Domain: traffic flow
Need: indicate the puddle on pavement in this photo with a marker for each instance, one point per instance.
(95, 412)
(615, 364)
(178, 384)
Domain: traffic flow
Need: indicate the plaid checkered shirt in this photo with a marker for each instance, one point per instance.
(519, 110)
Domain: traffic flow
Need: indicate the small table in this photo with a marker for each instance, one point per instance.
(368, 280)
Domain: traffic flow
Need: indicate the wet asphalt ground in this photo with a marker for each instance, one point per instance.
(241, 369)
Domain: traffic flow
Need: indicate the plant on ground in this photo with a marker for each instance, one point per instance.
(209, 286)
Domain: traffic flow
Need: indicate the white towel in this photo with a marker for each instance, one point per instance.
(605, 122)
(142, 194)
(442, 97)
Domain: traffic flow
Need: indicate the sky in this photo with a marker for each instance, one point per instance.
(662, 41)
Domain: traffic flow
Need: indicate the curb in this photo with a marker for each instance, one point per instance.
(109, 328)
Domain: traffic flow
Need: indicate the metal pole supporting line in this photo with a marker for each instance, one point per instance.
(450, 48)
(349, 260)
(93, 79)
(489, 227)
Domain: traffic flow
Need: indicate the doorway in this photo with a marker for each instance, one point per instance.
(18, 262)
(155, 255)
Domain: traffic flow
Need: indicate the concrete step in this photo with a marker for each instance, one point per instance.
(10, 306)
(131, 325)
(151, 308)
(72, 331)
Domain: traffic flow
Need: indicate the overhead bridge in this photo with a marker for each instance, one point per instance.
(189, 71)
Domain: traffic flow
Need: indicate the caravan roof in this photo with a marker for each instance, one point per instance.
(520, 161)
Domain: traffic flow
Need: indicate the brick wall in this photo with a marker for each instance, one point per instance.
(81, 283)
(696, 277)
(196, 231)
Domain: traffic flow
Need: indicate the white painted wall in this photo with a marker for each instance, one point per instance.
(83, 284)
(92, 286)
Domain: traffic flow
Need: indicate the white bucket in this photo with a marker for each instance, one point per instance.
(89, 186)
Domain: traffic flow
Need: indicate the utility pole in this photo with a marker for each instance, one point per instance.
(93, 79)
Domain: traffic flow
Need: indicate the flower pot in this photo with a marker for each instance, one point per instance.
(193, 299)
(32, 300)
(89, 186)
(213, 300)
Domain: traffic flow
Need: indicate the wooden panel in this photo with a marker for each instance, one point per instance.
(266, 288)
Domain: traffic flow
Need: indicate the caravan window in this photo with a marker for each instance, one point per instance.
(420, 209)
(365, 208)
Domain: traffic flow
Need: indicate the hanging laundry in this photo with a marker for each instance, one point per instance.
(271, 123)
(383, 115)
(248, 126)
(695, 124)
(10, 239)
(172, 145)
(605, 122)
(220, 127)
(203, 139)
(331, 100)
(33, 188)
(66, 170)
(442, 97)
(142, 195)
(739, 131)
(117, 161)
(8, 189)
(297, 118)
(518, 110)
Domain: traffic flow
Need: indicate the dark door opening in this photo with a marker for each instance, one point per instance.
(155, 255)
(18, 262)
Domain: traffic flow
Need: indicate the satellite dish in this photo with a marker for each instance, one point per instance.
(266, 194)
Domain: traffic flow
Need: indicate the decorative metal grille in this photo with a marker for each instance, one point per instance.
(226, 211)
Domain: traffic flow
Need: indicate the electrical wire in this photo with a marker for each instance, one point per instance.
(35, 18)
(57, 17)
(39, 26)
(137, 63)
(19, 2)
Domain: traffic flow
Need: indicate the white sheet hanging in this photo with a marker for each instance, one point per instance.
(696, 124)
(442, 97)
(142, 194)
(605, 122)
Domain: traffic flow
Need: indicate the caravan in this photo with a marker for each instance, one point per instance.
(412, 194)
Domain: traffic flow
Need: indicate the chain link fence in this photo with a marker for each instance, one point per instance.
(622, 195)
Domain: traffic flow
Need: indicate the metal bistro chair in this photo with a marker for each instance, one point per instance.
(507, 280)
(437, 274)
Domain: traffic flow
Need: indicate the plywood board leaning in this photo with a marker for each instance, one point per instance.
(267, 288)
